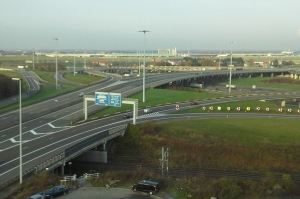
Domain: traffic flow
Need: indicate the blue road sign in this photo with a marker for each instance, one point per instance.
(101, 98)
(115, 99)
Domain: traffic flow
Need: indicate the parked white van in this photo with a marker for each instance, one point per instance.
(148, 110)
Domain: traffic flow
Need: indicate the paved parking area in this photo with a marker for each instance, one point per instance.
(106, 193)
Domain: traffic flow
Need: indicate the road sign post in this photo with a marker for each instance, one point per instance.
(115, 99)
(101, 98)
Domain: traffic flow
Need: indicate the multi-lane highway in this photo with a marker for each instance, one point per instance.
(46, 135)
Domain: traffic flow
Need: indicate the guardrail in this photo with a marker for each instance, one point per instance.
(72, 152)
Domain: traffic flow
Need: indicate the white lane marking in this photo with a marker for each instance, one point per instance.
(54, 127)
(56, 148)
(35, 133)
(14, 141)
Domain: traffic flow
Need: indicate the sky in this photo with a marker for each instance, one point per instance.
(207, 25)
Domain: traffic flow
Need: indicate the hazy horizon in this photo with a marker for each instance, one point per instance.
(111, 25)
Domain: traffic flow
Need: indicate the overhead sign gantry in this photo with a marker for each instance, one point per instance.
(110, 99)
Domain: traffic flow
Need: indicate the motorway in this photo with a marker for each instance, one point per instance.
(33, 87)
(48, 135)
(45, 132)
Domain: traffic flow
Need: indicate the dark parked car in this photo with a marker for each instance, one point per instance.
(146, 186)
(126, 115)
(194, 103)
(54, 192)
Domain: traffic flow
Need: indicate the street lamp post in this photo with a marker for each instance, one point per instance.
(37, 57)
(144, 31)
(84, 59)
(74, 63)
(56, 77)
(220, 59)
(20, 100)
(139, 64)
(33, 59)
(231, 42)
(70, 164)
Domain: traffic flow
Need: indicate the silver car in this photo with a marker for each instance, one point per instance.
(36, 196)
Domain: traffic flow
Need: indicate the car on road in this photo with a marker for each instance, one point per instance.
(147, 110)
(81, 94)
(126, 116)
(147, 186)
(36, 196)
(55, 191)
(194, 103)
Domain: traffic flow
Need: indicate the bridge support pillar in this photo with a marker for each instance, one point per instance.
(250, 76)
(262, 75)
(62, 168)
(272, 74)
(283, 103)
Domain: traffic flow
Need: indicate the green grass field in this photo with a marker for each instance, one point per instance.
(261, 82)
(159, 96)
(243, 107)
(82, 78)
(235, 131)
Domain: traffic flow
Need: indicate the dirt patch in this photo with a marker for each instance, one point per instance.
(281, 81)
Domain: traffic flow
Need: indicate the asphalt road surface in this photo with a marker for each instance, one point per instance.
(107, 193)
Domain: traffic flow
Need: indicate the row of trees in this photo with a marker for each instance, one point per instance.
(50, 67)
(189, 61)
(8, 87)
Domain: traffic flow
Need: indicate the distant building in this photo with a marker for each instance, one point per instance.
(167, 51)
(98, 63)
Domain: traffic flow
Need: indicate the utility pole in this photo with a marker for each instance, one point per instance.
(56, 76)
(164, 158)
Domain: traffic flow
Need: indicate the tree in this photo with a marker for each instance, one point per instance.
(206, 62)
(250, 62)
(191, 61)
(8, 87)
(275, 63)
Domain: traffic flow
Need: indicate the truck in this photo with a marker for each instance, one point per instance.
(22, 67)
(196, 85)
(232, 86)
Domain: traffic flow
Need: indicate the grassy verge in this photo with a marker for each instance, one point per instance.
(16, 75)
(252, 106)
(82, 78)
(231, 144)
(268, 82)
(159, 96)
(45, 93)
(49, 77)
